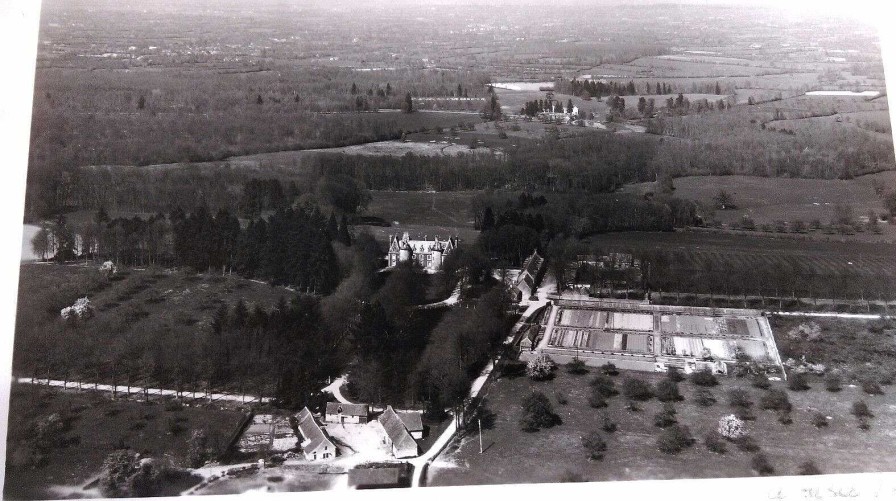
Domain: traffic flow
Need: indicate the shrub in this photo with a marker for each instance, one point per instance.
(513, 368)
(704, 397)
(667, 391)
(776, 400)
(860, 410)
(674, 439)
(609, 369)
(576, 366)
(731, 427)
(538, 413)
(704, 377)
(174, 406)
(833, 382)
(819, 420)
(595, 446)
(561, 398)
(798, 382)
(604, 385)
(871, 387)
(665, 417)
(762, 465)
(596, 399)
(541, 368)
(632, 406)
(674, 375)
(808, 468)
(176, 426)
(739, 398)
(715, 443)
(785, 418)
(864, 425)
(608, 425)
(761, 381)
(636, 389)
(747, 444)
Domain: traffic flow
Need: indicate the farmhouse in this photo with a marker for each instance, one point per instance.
(527, 280)
(413, 421)
(315, 444)
(398, 438)
(338, 412)
(639, 336)
(429, 254)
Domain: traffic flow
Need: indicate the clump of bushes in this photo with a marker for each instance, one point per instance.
(872, 387)
(819, 420)
(761, 381)
(798, 382)
(762, 465)
(609, 369)
(808, 468)
(538, 413)
(604, 385)
(541, 368)
(776, 400)
(594, 445)
(667, 391)
(704, 398)
(561, 398)
(715, 443)
(833, 382)
(608, 425)
(747, 444)
(861, 411)
(674, 439)
(674, 375)
(576, 366)
(665, 417)
(636, 389)
(705, 378)
(731, 427)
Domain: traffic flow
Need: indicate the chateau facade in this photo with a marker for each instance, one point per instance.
(429, 254)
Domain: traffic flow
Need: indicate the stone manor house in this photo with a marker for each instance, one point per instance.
(429, 254)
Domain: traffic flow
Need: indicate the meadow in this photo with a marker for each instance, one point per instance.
(556, 454)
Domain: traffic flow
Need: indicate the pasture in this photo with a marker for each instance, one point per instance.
(553, 454)
(767, 200)
(423, 213)
(95, 427)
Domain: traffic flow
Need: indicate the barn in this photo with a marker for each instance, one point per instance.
(338, 412)
(398, 438)
(315, 444)
(413, 421)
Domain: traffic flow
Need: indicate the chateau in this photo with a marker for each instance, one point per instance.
(429, 254)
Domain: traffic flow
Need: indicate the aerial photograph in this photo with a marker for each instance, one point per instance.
(306, 245)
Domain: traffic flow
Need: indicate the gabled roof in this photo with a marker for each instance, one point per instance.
(413, 421)
(312, 434)
(398, 433)
(379, 476)
(362, 410)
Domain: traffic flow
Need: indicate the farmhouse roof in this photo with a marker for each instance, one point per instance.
(313, 436)
(403, 442)
(413, 421)
(361, 410)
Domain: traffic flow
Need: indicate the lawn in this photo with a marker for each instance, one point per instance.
(514, 456)
(444, 213)
(98, 426)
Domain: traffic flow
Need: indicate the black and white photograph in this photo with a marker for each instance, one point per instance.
(272, 246)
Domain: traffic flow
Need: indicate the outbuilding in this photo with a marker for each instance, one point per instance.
(338, 412)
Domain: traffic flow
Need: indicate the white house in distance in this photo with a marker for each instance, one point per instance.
(429, 254)
(315, 444)
(338, 412)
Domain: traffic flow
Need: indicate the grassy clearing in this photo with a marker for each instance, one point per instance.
(767, 200)
(98, 426)
(513, 456)
(445, 213)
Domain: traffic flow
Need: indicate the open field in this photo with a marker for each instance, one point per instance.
(756, 253)
(97, 427)
(514, 456)
(767, 200)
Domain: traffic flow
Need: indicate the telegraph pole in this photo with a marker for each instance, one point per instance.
(480, 435)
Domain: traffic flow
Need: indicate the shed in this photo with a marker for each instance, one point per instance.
(379, 476)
